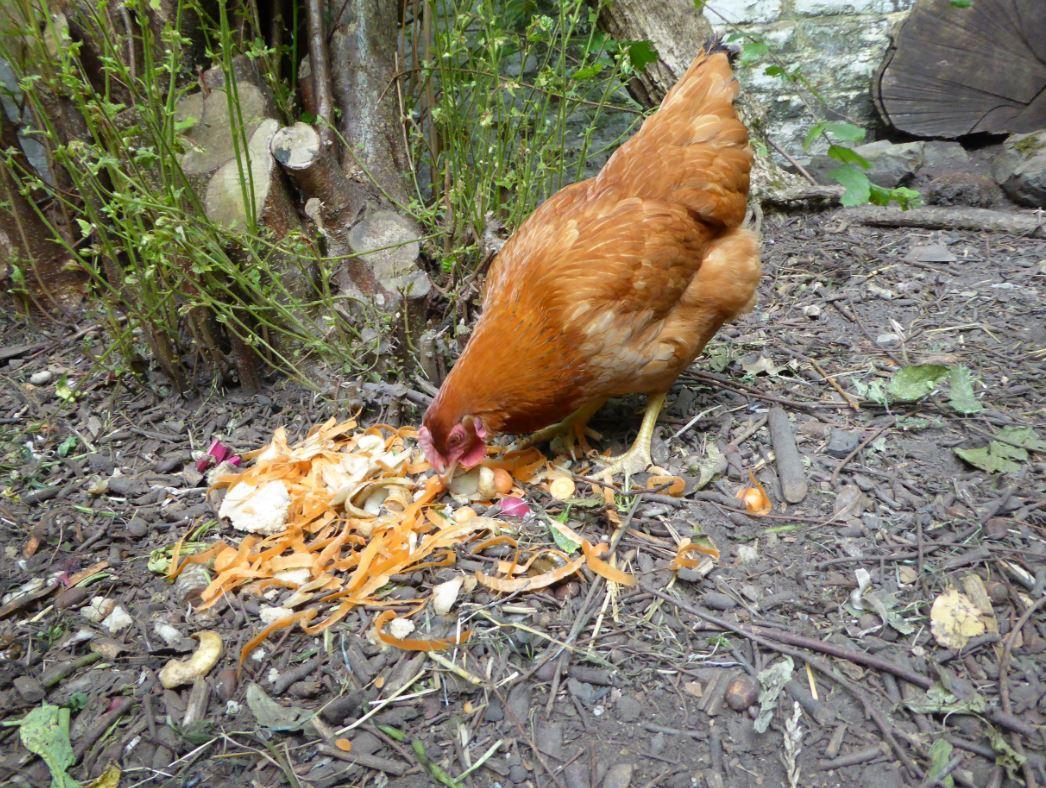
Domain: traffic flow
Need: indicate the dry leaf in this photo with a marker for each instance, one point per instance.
(954, 619)
(343, 744)
(445, 595)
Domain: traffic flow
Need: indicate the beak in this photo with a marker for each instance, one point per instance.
(448, 473)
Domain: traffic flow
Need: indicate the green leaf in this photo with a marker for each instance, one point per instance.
(588, 72)
(847, 132)
(962, 3)
(856, 184)
(988, 460)
(641, 54)
(811, 136)
(64, 391)
(67, 446)
(272, 715)
(1005, 756)
(563, 542)
(961, 396)
(45, 732)
(940, 755)
(699, 5)
(915, 381)
(751, 52)
(938, 700)
(848, 156)
(775, 71)
(771, 682)
(1025, 437)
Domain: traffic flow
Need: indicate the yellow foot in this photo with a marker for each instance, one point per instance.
(572, 432)
(637, 459)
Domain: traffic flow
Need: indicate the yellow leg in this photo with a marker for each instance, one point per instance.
(637, 459)
(571, 429)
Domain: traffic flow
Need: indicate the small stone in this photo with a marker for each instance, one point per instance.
(886, 339)
(41, 378)
(629, 709)
(100, 463)
(137, 528)
(494, 712)
(868, 621)
(741, 693)
(963, 188)
(29, 689)
(931, 253)
(581, 690)
(225, 684)
(118, 620)
(716, 601)
(997, 592)
(841, 443)
(812, 311)
(518, 774)
(619, 776)
(127, 486)
(366, 743)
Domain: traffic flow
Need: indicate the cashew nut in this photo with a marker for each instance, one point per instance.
(182, 671)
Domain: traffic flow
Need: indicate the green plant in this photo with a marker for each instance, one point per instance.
(508, 106)
(167, 279)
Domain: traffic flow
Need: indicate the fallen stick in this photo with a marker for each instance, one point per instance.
(940, 218)
(787, 458)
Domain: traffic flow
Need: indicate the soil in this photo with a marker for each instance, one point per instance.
(652, 690)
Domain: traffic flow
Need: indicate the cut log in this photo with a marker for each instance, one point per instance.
(300, 151)
(939, 218)
(953, 71)
(677, 33)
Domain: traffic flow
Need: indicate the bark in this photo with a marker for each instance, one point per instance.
(678, 32)
(938, 218)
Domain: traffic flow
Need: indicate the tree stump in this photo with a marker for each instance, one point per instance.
(954, 71)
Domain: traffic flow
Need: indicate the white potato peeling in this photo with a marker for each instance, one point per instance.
(178, 671)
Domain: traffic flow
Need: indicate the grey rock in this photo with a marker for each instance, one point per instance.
(940, 157)
(550, 739)
(841, 443)
(629, 709)
(100, 463)
(716, 601)
(583, 691)
(962, 188)
(41, 378)
(518, 704)
(1020, 168)
(494, 712)
(127, 486)
(619, 776)
(518, 774)
(29, 689)
(366, 742)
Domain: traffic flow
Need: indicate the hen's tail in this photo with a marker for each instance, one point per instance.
(694, 150)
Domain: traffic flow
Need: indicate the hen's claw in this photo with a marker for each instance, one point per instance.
(573, 430)
(637, 459)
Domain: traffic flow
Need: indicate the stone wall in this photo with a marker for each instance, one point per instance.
(837, 44)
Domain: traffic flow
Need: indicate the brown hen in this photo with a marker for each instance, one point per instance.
(614, 285)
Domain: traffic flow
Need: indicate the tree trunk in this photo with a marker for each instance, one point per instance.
(52, 279)
(678, 32)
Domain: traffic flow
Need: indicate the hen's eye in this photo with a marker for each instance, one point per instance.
(455, 440)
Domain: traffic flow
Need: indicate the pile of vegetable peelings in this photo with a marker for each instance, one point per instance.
(330, 519)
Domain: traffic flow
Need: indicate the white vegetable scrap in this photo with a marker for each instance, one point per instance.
(257, 510)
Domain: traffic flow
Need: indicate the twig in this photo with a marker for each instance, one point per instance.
(1004, 683)
(376, 762)
(850, 399)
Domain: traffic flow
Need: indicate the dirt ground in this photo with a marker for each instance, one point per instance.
(659, 685)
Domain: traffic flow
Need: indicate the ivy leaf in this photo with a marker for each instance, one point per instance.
(811, 136)
(940, 755)
(961, 396)
(1025, 437)
(989, 458)
(641, 54)
(915, 381)
(1005, 756)
(589, 71)
(699, 5)
(856, 184)
(848, 156)
(847, 132)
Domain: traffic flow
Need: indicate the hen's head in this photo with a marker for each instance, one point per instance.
(449, 442)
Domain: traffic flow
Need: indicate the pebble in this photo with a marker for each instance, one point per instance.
(29, 689)
(716, 601)
(518, 774)
(100, 463)
(137, 527)
(741, 693)
(812, 311)
(841, 443)
(629, 709)
(619, 776)
(41, 378)
(125, 486)
(494, 712)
